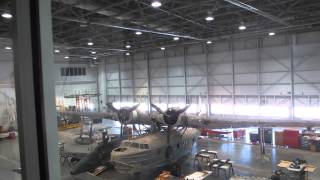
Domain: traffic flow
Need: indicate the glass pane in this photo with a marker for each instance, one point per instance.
(9, 144)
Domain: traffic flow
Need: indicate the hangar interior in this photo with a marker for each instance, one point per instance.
(242, 76)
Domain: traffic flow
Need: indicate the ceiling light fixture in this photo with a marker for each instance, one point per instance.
(209, 42)
(156, 4)
(8, 48)
(138, 33)
(90, 43)
(6, 15)
(242, 27)
(128, 46)
(95, 58)
(127, 54)
(56, 50)
(66, 57)
(176, 38)
(83, 25)
(272, 33)
(209, 18)
(93, 52)
(163, 48)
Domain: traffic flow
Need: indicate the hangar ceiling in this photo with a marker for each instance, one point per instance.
(112, 24)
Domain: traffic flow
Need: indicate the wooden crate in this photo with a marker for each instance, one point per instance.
(278, 138)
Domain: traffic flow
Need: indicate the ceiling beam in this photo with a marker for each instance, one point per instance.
(257, 11)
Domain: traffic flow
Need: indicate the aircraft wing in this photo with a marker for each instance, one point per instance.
(92, 115)
(137, 118)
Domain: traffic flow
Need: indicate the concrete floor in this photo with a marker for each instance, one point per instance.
(247, 160)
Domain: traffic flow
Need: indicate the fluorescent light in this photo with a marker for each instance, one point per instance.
(93, 52)
(66, 57)
(127, 54)
(6, 15)
(163, 48)
(56, 50)
(176, 38)
(8, 48)
(90, 43)
(242, 27)
(138, 33)
(272, 33)
(209, 42)
(156, 4)
(209, 18)
(95, 58)
(83, 25)
(128, 46)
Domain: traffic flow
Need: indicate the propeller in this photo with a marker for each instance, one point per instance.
(123, 114)
(170, 117)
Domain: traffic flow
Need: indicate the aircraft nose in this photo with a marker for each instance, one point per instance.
(87, 163)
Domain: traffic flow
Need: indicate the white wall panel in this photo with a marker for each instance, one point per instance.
(158, 72)
(112, 75)
(220, 79)
(200, 90)
(220, 68)
(114, 91)
(176, 81)
(127, 91)
(113, 83)
(159, 91)
(176, 91)
(196, 70)
(246, 67)
(245, 55)
(275, 89)
(274, 78)
(246, 90)
(246, 78)
(159, 82)
(220, 57)
(270, 41)
(126, 83)
(219, 90)
(196, 59)
(196, 81)
(141, 82)
(176, 71)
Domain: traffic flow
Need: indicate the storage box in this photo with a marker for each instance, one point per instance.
(291, 138)
(313, 148)
(278, 138)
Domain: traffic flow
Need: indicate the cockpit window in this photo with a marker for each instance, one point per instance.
(135, 145)
(144, 146)
(127, 144)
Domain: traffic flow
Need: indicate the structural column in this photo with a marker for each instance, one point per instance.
(149, 81)
(119, 80)
(207, 80)
(167, 77)
(133, 79)
(292, 70)
(233, 78)
(185, 52)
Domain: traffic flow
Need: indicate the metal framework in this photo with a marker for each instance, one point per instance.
(112, 24)
(245, 72)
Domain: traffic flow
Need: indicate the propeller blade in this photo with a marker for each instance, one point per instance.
(183, 110)
(134, 107)
(158, 109)
(110, 106)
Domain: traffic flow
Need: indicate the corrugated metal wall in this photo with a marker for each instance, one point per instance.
(252, 77)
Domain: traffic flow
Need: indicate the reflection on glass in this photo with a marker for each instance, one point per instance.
(9, 145)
